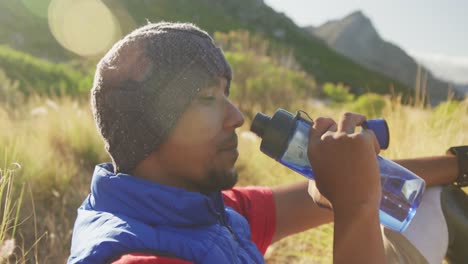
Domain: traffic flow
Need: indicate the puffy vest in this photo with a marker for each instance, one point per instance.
(124, 214)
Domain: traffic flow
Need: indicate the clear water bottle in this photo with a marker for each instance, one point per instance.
(285, 138)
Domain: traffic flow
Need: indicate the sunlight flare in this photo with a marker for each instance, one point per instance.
(85, 27)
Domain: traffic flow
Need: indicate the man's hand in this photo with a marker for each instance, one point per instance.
(347, 175)
(321, 124)
(344, 162)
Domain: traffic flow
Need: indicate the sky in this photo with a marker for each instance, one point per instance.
(435, 32)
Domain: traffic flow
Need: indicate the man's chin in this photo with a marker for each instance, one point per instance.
(219, 181)
(232, 182)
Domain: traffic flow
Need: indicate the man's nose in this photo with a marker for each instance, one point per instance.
(234, 117)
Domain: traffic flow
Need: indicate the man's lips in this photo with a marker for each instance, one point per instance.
(229, 144)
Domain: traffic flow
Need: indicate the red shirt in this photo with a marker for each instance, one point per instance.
(256, 204)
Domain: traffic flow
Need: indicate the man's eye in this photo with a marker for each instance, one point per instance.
(207, 98)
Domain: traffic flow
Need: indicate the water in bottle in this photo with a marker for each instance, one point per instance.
(285, 138)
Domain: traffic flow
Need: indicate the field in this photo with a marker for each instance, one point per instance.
(49, 147)
(49, 144)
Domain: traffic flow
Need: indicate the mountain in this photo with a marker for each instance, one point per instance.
(21, 30)
(463, 88)
(356, 38)
(449, 68)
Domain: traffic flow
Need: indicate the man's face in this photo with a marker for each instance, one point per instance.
(201, 150)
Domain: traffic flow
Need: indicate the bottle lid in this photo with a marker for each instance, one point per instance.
(380, 128)
(259, 123)
(274, 131)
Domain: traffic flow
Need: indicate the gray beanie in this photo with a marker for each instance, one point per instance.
(144, 84)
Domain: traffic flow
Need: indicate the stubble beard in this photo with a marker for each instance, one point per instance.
(219, 181)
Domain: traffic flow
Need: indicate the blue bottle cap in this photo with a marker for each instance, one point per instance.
(380, 129)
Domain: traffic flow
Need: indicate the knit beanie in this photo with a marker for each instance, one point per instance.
(145, 83)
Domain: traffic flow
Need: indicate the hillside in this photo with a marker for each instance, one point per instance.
(32, 34)
(40, 76)
(356, 38)
(24, 31)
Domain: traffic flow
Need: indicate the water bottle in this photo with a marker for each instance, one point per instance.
(285, 138)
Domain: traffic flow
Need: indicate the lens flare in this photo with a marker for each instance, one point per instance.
(85, 27)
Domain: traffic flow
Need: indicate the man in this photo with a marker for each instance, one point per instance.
(160, 101)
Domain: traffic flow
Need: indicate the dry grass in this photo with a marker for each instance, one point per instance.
(414, 132)
(56, 143)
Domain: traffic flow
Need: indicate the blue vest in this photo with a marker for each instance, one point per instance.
(125, 214)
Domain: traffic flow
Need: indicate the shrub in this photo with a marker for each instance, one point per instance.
(446, 108)
(42, 77)
(260, 84)
(9, 92)
(369, 104)
(338, 93)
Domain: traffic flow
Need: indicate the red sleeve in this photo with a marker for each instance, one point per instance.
(140, 258)
(257, 205)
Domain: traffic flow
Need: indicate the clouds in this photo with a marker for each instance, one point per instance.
(450, 68)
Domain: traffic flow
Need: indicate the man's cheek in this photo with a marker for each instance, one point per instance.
(198, 138)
